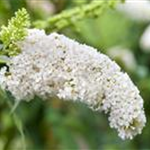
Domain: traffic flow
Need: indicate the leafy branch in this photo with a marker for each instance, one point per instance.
(15, 31)
(17, 26)
(70, 17)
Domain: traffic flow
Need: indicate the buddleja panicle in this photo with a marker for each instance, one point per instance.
(15, 31)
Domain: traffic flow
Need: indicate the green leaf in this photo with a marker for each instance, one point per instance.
(3, 59)
(15, 31)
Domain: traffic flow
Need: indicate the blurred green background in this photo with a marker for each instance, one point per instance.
(58, 125)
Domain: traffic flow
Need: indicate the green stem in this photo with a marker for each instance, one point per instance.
(17, 121)
(70, 17)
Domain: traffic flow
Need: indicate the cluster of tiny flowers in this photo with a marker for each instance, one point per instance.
(56, 66)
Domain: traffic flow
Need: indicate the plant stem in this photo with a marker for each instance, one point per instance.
(70, 17)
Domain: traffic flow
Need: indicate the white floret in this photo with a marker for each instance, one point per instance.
(56, 66)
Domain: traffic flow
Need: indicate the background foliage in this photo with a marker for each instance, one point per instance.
(54, 124)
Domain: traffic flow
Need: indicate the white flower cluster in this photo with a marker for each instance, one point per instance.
(137, 10)
(55, 66)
